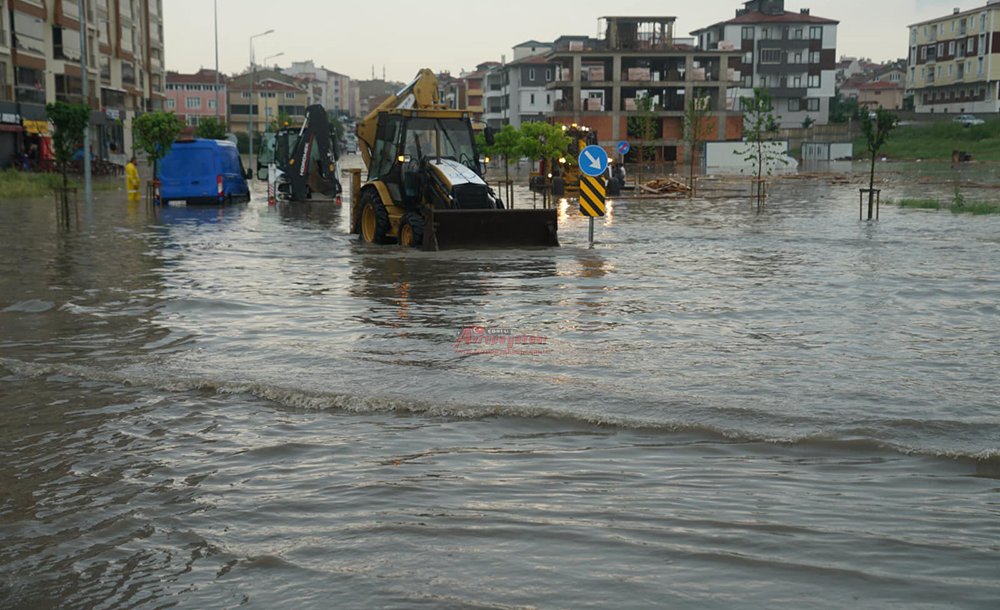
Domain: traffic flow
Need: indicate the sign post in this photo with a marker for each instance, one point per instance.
(593, 187)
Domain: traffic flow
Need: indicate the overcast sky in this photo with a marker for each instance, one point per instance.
(406, 35)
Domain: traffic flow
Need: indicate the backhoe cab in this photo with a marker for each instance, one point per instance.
(425, 183)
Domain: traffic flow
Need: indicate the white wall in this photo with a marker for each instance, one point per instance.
(731, 156)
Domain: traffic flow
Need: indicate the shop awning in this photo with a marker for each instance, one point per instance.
(38, 128)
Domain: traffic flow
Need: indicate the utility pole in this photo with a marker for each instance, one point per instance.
(215, 5)
(88, 191)
(253, 81)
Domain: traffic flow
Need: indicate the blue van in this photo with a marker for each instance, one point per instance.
(203, 171)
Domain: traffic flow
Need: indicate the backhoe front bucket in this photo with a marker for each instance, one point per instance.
(451, 229)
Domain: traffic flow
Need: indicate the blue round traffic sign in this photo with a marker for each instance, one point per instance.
(624, 147)
(593, 161)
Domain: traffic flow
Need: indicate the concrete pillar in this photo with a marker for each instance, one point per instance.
(577, 88)
(616, 95)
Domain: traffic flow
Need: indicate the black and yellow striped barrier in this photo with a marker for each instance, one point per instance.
(593, 196)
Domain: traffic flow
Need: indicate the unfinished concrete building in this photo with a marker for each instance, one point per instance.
(634, 82)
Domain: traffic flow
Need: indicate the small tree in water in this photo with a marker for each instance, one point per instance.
(506, 145)
(211, 129)
(70, 121)
(154, 133)
(758, 125)
(697, 128)
(876, 125)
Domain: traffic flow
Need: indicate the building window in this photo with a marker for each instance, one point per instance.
(748, 58)
(65, 44)
(211, 104)
(531, 74)
(951, 48)
(289, 96)
(794, 104)
(193, 103)
(796, 81)
(748, 33)
(814, 57)
(245, 95)
(748, 81)
(770, 56)
(532, 102)
(171, 104)
(814, 81)
(798, 34)
(815, 33)
(812, 105)
(548, 75)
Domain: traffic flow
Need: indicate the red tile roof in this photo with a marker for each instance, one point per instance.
(880, 85)
(201, 76)
(757, 17)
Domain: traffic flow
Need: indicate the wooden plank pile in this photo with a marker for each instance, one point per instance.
(665, 186)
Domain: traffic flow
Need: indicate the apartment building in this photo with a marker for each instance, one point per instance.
(40, 62)
(193, 97)
(634, 82)
(955, 62)
(517, 92)
(269, 94)
(475, 89)
(791, 55)
(337, 92)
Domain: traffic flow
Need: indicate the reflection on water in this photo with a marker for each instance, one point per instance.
(211, 407)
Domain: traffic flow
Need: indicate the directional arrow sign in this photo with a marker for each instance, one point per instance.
(593, 161)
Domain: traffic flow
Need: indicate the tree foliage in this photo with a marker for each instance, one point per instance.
(643, 126)
(876, 125)
(759, 124)
(154, 133)
(211, 129)
(70, 121)
(697, 128)
(543, 141)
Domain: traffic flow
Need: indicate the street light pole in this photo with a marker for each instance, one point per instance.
(87, 185)
(267, 126)
(215, 6)
(253, 80)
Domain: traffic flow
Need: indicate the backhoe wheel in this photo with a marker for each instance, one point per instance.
(411, 230)
(374, 219)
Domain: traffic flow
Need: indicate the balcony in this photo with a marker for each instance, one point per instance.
(786, 92)
(783, 68)
(783, 44)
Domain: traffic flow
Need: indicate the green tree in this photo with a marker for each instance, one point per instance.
(507, 144)
(70, 121)
(154, 133)
(282, 120)
(643, 126)
(211, 129)
(697, 128)
(876, 125)
(759, 124)
(543, 141)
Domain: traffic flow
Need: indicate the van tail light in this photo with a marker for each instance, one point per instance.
(339, 203)
(219, 182)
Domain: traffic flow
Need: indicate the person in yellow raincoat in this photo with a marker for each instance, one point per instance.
(132, 182)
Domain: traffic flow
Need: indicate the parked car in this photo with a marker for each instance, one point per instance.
(203, 171)
(968, 120)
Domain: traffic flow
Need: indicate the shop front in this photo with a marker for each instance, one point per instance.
(10, 135)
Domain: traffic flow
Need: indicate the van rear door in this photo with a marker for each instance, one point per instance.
(189, 172)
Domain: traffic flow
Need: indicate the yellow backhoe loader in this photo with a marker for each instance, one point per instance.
(425, 186)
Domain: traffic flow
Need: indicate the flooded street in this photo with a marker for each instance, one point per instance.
(220, 407)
